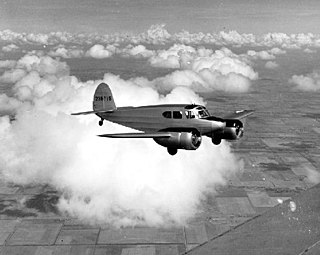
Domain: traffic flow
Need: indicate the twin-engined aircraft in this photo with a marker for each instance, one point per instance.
(174, 126)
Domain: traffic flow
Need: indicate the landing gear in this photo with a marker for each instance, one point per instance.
(172, 151)
(101, 122)
(216, 140)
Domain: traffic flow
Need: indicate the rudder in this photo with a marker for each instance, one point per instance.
(103, 99)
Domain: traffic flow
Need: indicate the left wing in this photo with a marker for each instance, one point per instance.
(91, 112)
(239, 114)
(137, 135)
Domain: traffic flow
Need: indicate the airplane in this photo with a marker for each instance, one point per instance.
(174, 126)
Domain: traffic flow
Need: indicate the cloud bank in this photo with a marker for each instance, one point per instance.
(309, 82)
(118, 182)
(158, 35)
(204, 70)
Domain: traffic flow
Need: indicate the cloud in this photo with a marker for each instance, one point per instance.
(7, 64)
(307, 50)
(139, 51)
(10, 47)
(8, 104)
(112, 181)
(158, 35)
(277, 51)
(43, 65)
(310, 82)
(271, 65)
(172, 57)
(12, 76)
(205, 70)
(99, 51)
(66, 52)
(38, 38)
(264, 55)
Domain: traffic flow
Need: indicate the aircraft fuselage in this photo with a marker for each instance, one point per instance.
(163, 118)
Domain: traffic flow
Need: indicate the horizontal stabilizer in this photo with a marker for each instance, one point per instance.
(137, 135)
(90, 112)
(239, 114)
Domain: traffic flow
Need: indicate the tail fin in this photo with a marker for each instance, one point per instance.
(103, 99)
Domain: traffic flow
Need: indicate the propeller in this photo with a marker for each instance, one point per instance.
(196, 139)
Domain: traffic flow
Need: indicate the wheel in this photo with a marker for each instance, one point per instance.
(172, 151)
(100, 122)
(216, 140)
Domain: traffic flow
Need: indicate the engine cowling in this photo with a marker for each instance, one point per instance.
(181, 140)
(233, 130)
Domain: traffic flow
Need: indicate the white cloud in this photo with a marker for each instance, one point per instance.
(10, 47)
(5, 64)
(7, 105)
(277, 51)
(271, 65)
(67, 53)
(158, 35)
(264, 55)
(203, 70)
(12, 76)
(171, 58)
(111, 181)
(43, 65)
(307, 50)
(139, 51)
(99, 51)
(310, 82)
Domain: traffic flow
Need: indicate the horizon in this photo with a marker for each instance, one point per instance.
(122, 16)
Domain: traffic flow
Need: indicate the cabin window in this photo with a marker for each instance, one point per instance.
(167, 115)
(190, 115)
(177, 115)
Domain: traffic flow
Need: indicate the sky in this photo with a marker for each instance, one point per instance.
(245, 16)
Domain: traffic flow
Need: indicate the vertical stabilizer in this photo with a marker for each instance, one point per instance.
(103, 99)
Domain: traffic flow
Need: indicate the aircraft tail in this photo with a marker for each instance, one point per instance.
(103, 99)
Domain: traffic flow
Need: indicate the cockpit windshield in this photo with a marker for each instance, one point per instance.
(198, 113)
(202, 112)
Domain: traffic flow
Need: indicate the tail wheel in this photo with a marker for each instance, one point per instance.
(101, 122)
(172, 151)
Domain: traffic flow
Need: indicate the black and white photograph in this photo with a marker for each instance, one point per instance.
(157, 127)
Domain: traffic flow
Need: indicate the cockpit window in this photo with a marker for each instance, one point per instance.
(203, 113)
(177, 115)
(167, 115)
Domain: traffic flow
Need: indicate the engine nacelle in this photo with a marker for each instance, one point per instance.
(233, 130)
(181, 140)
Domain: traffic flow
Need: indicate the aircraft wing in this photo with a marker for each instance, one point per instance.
(90, 112)
(239, 114)
(137, 135)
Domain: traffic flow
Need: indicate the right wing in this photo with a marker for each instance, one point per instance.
(137, 135)
(239, 114)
